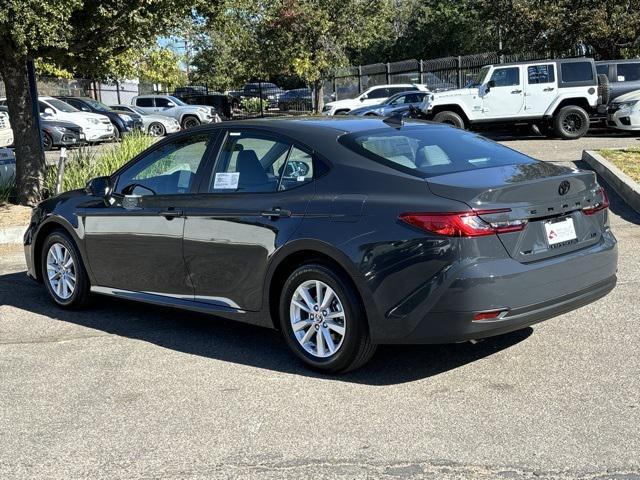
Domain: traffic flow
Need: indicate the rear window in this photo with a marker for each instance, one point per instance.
(628, 72)
(430, 151)
(576, 72)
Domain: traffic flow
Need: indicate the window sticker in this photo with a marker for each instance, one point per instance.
(621, 78)
(226, 181)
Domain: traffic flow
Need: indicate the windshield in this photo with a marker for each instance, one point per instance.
(96, 105)
(60, 105)
(428, 151)
(177, 101)
(478, 79)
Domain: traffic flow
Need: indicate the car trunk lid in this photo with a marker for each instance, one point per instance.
(549, 197)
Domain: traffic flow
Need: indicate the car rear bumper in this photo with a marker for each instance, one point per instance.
(443, 310)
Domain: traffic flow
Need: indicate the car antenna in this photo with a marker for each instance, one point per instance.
(396, 120)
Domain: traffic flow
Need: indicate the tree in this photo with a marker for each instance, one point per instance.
(74, 35)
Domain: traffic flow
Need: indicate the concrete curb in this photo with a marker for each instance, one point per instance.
(619, 181)
(12, 235)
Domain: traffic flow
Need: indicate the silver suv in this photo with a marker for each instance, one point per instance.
(188, 115)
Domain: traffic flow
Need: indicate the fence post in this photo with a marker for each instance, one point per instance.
(420, 71)
(118, 91)
(260, 96)
(359, 78)
(387, 73)
(60, 176)
(459, 71)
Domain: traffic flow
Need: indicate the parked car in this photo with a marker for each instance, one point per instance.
(342, 233)
(155, 125)
(556, 95)
(623, 76)
(371, 96)
(269, 92)
(189, 116)
(96, 127)
(7, 167)
(624, 111)
(6, 133)
(57, 133)
(398, 103)
(222, 104)
(124, 122)
(298, 99)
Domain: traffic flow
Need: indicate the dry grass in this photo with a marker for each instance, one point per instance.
(627, 160)
(14, 215)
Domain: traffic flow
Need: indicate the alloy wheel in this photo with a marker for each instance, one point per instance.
(317, 318)
(572, 123)
(61, 271)
(156, 130)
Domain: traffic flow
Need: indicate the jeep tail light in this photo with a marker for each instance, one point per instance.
(604, 204)
(462, 224)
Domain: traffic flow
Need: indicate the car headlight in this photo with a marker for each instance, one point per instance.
(125, 117)
(62, 130)
(628, 106)
(94, 121)
(203, 110)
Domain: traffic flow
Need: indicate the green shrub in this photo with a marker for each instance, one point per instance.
(87, 163)
(7, 190)
(250, 104)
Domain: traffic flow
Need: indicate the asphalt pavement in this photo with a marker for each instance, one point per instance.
(128, 391)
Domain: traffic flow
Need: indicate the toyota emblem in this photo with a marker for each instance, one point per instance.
(564, 187)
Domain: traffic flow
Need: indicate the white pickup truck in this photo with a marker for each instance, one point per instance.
(556, 95)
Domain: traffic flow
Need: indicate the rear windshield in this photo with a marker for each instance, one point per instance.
(428, 151)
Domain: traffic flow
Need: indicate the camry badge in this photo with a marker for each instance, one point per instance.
(564, 187)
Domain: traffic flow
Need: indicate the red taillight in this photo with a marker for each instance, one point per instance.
(492, 315)
(462, 224)
(604, 204)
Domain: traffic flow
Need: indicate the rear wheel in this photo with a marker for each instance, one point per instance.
(156, 129)
(47, 141)
(450, 118)
(323, 320)
(571, 122)
(62, 271)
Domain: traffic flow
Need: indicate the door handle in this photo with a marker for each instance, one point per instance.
(548, 89)
(170, 213)
(276, 212)
(516, 91)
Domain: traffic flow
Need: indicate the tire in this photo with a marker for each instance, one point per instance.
(370, 114)
(571, 122)
(449, 118)
(156, 129)
(56, 247)
(47, 141)
(604, 90)
(349, 334)
(117, 136)
(190, 122)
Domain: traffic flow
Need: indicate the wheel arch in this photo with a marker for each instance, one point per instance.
(48, 226)
(304, 252)
(581, 102)
(451, 107)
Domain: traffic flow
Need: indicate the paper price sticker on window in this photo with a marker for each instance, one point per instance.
(226, 181)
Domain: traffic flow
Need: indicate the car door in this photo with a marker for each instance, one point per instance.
(249, 206)
(506, 97)
(134, 243)
(540, 89)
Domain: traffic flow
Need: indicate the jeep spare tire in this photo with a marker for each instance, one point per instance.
(450, 118)
(604, 89)
(571, 122)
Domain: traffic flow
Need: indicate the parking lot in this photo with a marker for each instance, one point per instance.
(131, 391)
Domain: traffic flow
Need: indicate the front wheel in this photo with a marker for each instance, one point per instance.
(571, 122)
(62, 271)
(323, 321)
(449, 118)
(190, 122)
(156, 129)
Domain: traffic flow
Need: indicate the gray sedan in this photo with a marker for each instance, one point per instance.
(154, 125)
(398, 103)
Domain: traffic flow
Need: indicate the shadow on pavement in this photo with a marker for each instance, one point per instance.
(229, 341)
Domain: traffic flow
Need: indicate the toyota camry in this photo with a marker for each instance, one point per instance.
(342, 233)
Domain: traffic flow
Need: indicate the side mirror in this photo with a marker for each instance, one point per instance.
(363, 97)
(48, 112)
(170, 104)
(490, 84)
(99, 187)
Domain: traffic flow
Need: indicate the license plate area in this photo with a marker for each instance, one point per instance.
(560, 232)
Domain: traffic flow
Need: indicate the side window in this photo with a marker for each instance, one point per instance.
(602, 70)
(168, 170)
(394, 90)
(378, 93)
(162, 102)
(628, 72)
(79, 105)
(400, 100)
(576, 72)
(144, 102)
(541, 74)
(506, 77)
(414, 98)
(298, 169)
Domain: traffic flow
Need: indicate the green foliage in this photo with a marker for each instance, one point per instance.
(7, 190)
(251, 104)
(85, 163)
(161, 65)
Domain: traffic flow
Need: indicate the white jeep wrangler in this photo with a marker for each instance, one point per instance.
(557, 96)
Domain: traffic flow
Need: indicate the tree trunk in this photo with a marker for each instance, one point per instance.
(30, 162)
(318, 94)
